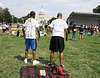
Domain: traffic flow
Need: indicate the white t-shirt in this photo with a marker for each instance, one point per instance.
(58, 26)
(4, 26)
(30, 28)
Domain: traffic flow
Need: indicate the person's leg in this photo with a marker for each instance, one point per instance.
(79, 37)
(34, 55)
(26, 53)
(74, 35)
(61, 58)
(51, 57)
(4, 33)
(82, 36)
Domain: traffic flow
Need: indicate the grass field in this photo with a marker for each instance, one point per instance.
(81, 59)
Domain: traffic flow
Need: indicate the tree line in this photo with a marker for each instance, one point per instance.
(6, 16)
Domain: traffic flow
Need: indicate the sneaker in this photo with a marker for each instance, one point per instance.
(49, 64)
(62, 66)
(35, 62)
(25, 61)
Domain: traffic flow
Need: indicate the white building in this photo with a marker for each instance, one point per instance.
(83, 18)
(42, 17)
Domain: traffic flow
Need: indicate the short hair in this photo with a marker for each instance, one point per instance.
(32, 13)
(59, 14)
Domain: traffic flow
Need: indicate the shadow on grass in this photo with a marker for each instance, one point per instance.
(73, 40)
(43, 61)
(22, 58)
(96, 43)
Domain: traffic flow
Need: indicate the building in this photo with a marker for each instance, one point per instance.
(41, 18)
(83, 19)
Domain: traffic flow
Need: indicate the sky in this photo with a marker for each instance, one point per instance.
(21, 8)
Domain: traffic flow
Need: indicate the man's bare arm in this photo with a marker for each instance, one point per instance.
(23, 29)
(50, 29)
(66, 31)
(38, 34)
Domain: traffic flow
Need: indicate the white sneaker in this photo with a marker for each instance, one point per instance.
(35, 62)
(25, 61)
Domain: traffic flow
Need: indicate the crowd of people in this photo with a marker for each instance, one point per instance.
(6, 29)
(88, 30)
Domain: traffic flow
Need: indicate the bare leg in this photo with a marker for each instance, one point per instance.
(79, 37)
(34, 54)
(61, 58)
(26, 53)
(4, 33)
(51, 57)
(82, 36)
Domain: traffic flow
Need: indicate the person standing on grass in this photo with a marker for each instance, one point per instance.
(48, 29)
(10, 25)
(92, 30)
(81, 29)
(4, 28)
(29, 33)
(57, 27)
(74, 29)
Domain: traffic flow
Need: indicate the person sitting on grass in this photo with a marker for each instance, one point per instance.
(18, 34)
(42, 33)
(14, 32)
(57, 27)
(29, 33)
(81, 29)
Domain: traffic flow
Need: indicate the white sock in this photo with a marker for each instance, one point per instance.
(25, 58)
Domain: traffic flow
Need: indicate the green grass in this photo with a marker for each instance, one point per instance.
(81, 59)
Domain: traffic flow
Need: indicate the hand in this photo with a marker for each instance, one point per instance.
(66, 39)
(38, 39)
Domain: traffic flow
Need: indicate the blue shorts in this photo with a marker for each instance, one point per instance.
(30, 42)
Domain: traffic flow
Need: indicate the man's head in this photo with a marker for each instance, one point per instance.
(32, 14)
(59, 15)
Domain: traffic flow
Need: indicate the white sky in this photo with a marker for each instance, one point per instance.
(21, 8)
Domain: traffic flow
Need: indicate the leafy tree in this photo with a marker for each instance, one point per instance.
(6, 15)
(1, 14)
(97, 9)
(53, 18)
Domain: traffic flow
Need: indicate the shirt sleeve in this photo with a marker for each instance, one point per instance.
(66, 25)
(51, 25)
(37, 25)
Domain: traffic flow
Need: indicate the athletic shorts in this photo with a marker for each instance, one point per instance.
(7, 29)
(57, 43)
(3, 30)
(30, 42)
(81, 32)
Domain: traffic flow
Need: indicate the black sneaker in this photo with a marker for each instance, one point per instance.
(62, 66)
(49, 64)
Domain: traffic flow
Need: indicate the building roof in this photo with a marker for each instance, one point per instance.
(73, 14)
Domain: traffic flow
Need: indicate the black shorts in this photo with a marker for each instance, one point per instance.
(57, 43)
(3, 30)
(7, 29)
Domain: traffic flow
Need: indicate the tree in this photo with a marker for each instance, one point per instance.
(1, 14)
(53, 18)
(6, 15)
(97, 9)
